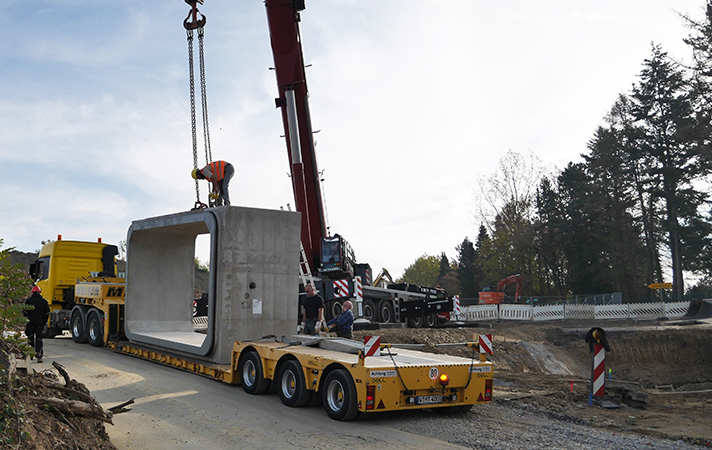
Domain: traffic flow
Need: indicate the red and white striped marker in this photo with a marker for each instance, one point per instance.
(456, 307)
(598, 379)
(372, 345)
(358, 290)
(486, 343)
(341, 288)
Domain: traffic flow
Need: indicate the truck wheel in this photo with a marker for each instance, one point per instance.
(385, 309)
(253, 379)
(95, 330)
(369, 311)
(292, 386)
(333, 310)
(339, 396)
(431, 320)
(78, 333)
(416, 322)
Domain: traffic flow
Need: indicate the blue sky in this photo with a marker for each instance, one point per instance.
(415, 101)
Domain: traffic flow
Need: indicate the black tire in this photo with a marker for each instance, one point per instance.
(431, 320)
(386, 311)
(95, 329)
(416, 322)
(78, 328)
(339, 396)
(333, 309)
(292, 386)
(369, 311)
(252, 374)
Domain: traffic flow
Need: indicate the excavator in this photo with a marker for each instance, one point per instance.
(495, 296)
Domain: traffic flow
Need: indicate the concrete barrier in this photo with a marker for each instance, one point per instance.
(253, 282)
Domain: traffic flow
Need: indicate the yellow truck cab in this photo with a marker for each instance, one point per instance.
(79, 281)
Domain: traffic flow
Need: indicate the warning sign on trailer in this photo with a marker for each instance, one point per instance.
(383, 373)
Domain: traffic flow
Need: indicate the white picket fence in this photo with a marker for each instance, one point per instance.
(554, 312)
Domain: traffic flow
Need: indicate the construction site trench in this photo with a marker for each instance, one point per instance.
(548, 365)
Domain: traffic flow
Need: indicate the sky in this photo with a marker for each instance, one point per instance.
(414, 103)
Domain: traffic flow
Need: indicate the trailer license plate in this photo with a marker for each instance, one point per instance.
(429, 399)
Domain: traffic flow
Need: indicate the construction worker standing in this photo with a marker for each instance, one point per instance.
(219, 174)
(37, 320)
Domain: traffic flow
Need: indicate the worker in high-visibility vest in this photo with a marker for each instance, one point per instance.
(219, 174)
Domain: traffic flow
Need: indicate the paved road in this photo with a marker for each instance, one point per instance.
(176, 409)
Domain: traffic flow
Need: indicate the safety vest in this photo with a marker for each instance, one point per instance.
(218, 170)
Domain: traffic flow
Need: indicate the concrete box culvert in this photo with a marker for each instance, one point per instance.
(253, 282)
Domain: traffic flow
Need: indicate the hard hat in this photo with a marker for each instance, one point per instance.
(36, 289)
(194, 174)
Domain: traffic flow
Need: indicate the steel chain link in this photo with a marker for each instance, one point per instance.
(192, 110)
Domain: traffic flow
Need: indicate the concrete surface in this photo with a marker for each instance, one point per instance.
(253, 283)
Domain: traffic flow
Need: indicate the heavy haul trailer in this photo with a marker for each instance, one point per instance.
(85, 294)
(334, 372)
(254, 292)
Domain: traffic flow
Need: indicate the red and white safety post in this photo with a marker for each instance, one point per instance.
(372, 346)
(598, 375)
(358, 294)
(456, 310)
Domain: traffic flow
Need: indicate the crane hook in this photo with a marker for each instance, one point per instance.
(195, 23)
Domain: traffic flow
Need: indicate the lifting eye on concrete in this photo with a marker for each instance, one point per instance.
(253, 285)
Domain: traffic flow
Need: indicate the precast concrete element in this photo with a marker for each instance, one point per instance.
(253, 283)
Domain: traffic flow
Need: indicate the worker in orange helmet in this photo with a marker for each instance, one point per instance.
(219, 174)
(37, 316)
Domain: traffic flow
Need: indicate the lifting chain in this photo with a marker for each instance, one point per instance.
(196, 24)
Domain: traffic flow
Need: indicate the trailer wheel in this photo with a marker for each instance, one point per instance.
(339, 396)
(385, 309)
(431, 320)
(416, 322)
(292, 386)
(369, 310)
(253, 379)
(78, 333)
(95, 330)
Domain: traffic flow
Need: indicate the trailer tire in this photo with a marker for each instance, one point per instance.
(292, 386)
(386, 311)
(369, 311)
(339, 396)
(252, 374)
(95, 330)
(78, 327)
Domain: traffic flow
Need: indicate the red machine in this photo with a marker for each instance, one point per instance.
(496, 296)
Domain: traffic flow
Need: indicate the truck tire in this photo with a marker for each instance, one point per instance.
(333, 309)
(339, 396)
(292, 386)
(416, 322)
(253, 379)
(95, 329)
(431, 320)
(369, 310)
(386, 311)
(77, 327)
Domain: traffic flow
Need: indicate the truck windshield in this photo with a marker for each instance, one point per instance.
(330, 254)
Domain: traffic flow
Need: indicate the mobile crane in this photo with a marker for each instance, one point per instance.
(330, 258)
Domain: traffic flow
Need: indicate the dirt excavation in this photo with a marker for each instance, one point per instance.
(547, 365)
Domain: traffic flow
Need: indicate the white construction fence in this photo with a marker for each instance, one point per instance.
(553, 312)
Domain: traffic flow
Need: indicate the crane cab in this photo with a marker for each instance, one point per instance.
(337, 258)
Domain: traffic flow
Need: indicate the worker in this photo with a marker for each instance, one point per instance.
(313, 316)
(344, 322)
(37, 316)
(219, 174)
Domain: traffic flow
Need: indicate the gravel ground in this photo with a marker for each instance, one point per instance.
(500, 426)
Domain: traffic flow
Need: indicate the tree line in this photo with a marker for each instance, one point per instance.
(634, 212)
